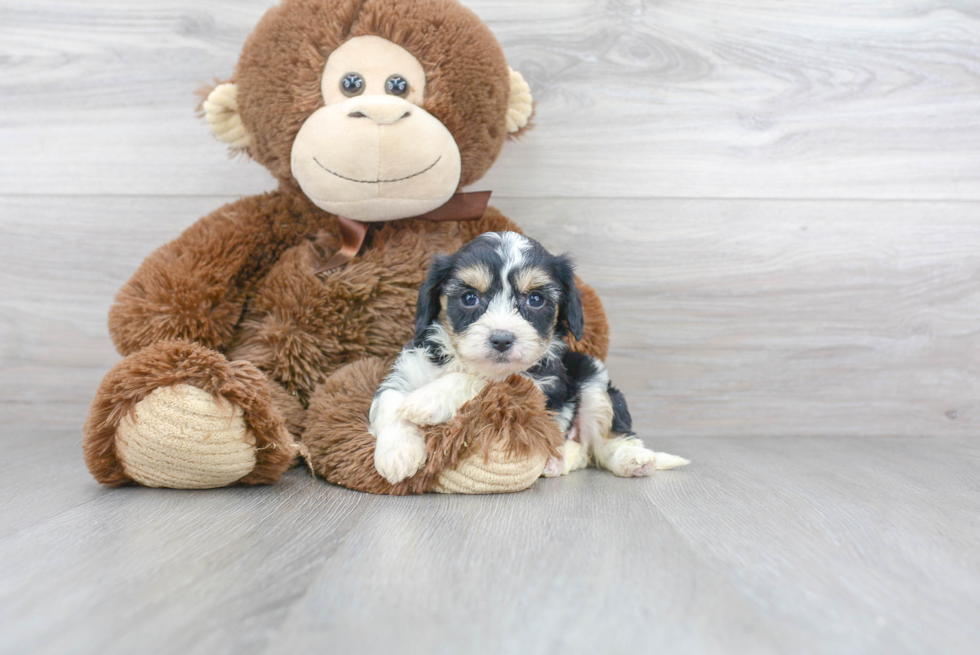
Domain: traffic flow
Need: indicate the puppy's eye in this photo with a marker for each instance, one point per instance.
(535, 300)
(470, 299)
(352, 84)
(396, 85)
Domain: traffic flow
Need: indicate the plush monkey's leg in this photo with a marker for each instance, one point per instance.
(497, 443)
(179, 415)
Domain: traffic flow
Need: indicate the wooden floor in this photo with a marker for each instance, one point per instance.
(780, 206)
(764, 545)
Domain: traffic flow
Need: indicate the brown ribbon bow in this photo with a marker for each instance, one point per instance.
(461, 207)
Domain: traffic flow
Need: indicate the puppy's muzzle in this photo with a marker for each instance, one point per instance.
(501, 340)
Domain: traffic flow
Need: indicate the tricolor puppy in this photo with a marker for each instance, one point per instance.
(501, 305)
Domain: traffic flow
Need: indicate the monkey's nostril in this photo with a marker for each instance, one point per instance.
(357, 114)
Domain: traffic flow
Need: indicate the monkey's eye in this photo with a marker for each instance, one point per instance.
(470, 299)
(352, 84)
(535, 300)
(396, 85)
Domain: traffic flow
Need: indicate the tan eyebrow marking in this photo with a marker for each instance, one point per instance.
(478, 277)
(531, 278)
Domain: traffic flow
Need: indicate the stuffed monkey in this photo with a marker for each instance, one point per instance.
(260, 334)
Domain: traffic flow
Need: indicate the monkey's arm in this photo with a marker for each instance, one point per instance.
(595, 340)
(194, 287)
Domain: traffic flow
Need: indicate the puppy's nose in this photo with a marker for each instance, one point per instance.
(501, 340)
(383, 110)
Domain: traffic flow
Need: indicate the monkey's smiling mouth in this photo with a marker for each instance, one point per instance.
(379, 181)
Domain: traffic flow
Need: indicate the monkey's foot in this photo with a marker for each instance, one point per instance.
(179, 415)
(184, 438)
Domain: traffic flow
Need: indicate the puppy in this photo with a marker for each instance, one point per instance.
(501, 305)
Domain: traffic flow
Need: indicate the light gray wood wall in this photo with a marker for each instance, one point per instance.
(779, 202)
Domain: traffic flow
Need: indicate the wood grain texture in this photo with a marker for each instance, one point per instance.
(763, 545)
(730, 318)
(730, 559)
(709, 98)
(817, 288)
(783, 317)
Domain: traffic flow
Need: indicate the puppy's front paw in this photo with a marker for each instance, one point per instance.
(632, 460)
(399, 453)
(422, 407)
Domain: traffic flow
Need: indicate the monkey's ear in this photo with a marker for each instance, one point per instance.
(220, 108)
(520, 104)
(428, 305)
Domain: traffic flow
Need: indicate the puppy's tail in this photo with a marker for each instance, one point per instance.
(666, 461)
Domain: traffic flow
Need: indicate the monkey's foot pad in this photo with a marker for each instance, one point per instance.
(182, 437)
(499, 473)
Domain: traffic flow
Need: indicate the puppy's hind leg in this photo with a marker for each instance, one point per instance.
(573, 457)
(666, 461)
(603, 422)
(627, 457)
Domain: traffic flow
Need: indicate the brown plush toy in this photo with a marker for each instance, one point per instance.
(261, 333)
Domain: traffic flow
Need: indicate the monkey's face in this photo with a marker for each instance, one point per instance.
(375, 110)
(372, 153)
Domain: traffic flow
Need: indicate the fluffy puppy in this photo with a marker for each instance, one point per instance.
(499, 306)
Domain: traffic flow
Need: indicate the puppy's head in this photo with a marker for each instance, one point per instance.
(499, 304)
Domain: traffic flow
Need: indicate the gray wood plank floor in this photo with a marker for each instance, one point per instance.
(764, 545)
(780, 206)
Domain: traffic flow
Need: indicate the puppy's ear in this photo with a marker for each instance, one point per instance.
(428, 306)
(570, 314)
